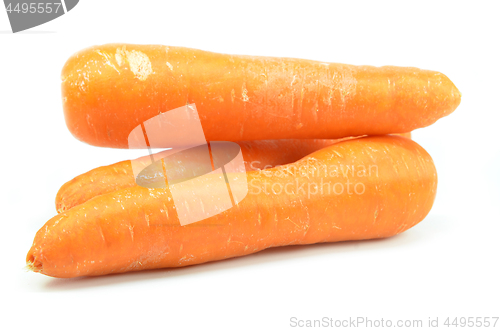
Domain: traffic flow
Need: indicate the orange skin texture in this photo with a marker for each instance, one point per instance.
(137, 228)
(257, 155)
(108, 90)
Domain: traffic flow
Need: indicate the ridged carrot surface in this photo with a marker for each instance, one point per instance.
(257, 154)
(137, 228)
(108, 90)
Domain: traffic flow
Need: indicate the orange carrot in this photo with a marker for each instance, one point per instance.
(406, 135)
(257, 155)
(364, 188)
(109, 90)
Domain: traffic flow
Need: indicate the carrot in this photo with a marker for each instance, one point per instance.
(392, 187)
(257, 155)
(111, 89)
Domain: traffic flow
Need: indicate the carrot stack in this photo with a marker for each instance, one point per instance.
(318, 140)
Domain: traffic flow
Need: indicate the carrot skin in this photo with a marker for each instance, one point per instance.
(108, 90)
(257, 155)
(137, 228)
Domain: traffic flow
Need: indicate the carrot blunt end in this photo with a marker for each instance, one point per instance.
(32, 264)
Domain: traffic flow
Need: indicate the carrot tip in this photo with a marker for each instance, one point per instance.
(60, 207)
(32, 265)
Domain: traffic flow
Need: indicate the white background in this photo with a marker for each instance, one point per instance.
(447, 265)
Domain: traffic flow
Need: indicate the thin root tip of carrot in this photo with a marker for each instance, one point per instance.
(29, 267)
(32, 266)
(60, 207)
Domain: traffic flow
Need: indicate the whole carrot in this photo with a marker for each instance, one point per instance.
(108, 90)
(257, 155)
(392, 188)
